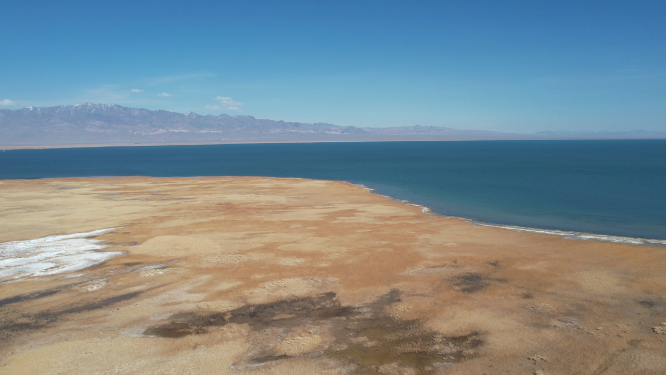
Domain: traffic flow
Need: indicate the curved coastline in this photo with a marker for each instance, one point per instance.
(582, 236)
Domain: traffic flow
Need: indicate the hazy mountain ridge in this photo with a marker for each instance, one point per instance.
(418, 129)
(103, 118)
(99, 124)
(604, 134)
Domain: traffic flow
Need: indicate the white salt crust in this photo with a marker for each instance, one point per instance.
(53, 254)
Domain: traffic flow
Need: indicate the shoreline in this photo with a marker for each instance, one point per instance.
(239, 275)
(575, 235)
(638, 223)
(48, 147)
(376, 140)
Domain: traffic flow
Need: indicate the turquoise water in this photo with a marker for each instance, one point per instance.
(613, 187)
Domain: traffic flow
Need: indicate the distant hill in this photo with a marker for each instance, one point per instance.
(102, 124)
(634, 134)
(432, 130)
(90, 123)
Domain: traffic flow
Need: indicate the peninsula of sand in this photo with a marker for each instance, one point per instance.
(249, 275)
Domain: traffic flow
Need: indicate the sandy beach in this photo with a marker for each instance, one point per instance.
(252, 275)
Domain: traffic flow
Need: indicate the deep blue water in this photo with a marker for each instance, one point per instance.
(613, 187)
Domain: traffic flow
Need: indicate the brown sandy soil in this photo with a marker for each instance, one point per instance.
(290, 276)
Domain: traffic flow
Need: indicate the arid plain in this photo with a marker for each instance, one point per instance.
(250, 275)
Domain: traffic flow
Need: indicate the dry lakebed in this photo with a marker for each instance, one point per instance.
(253, 275)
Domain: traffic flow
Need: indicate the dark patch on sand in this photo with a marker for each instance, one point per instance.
(495, 264)
(175, 329)
(647, 303)
(286, 313)
(29, 296)
(403, 344)
(365, 337)
(99, 304)
(268, 358)
(470, 282)
(20, 322)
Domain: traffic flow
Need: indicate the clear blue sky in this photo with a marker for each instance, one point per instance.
(497, 65)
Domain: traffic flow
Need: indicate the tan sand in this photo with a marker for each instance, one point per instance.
(289, 276)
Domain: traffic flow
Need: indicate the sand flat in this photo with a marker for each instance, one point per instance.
(291, 276)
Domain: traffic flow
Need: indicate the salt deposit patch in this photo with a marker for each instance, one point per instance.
(53, 254)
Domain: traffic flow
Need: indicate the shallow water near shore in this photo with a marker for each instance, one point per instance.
(606, 187)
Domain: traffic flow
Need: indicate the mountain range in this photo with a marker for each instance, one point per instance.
(107, 124)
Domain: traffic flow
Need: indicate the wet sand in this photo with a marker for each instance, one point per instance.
(289, 276)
